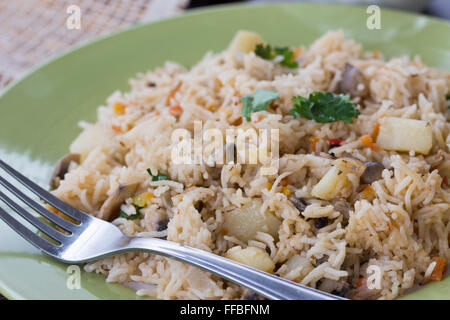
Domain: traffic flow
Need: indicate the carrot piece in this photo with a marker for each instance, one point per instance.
(439, 269)
(172, 92)
(297, 52)
(313, 141)
(368, 142)
(361, 282)
(116, 128)
(176, 110)
(375, 131)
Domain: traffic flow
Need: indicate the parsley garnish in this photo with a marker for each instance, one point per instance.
(135, 216)
(265, 52)
(288, 57)
(257, 102)
(325, 107)
(269, 53)
(158, 177)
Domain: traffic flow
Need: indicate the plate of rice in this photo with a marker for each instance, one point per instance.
(165, 130)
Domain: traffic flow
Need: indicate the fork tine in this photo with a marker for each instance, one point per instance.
(47, 196)
(31, 237)
(48, 230)
(66, 225)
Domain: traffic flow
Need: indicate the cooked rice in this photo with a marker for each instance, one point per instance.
(400, 228)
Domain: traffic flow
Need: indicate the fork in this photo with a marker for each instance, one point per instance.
(91, 239)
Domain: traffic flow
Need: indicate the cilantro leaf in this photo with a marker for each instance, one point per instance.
(257, 102)
(288, 57)
(135, 216)
(264, 52)
(158, 177)
(269, 53)
(324, 107)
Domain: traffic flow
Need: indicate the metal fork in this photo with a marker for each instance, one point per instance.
(91, 239)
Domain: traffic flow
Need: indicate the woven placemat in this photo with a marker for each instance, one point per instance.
(31, 31)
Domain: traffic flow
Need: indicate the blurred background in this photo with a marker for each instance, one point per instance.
(31, 31)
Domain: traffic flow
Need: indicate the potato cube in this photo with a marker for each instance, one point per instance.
(253, 257)
(244, 41)
(405, 135)
(245, 222)
(298, 262)
(326, 188)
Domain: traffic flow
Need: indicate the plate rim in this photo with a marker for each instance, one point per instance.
(12, 294)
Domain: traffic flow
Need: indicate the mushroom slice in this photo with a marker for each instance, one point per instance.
(61, 168)
(344, 207)
(372, 172)
(299, 203)
(110, 208)
(353, 82)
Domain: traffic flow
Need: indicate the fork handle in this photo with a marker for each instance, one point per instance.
(268, 285)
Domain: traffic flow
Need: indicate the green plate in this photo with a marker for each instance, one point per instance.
(39, 113)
